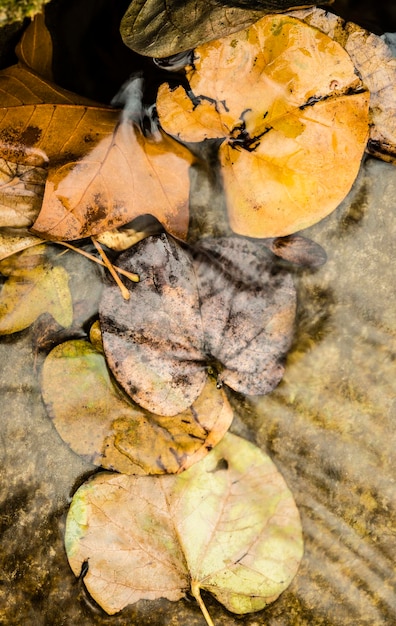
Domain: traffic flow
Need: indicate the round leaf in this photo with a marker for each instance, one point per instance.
(228, 525)
(294, 116)
(97, 421)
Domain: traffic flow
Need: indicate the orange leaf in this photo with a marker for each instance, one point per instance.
(123, 176)
(294, 117)
(102, 173)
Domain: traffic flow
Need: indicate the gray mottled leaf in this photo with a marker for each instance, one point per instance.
(247, 316)
(154, 341)
(227, 306)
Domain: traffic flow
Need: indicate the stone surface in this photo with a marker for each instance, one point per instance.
(328, 427)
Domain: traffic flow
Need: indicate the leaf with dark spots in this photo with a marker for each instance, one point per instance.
(292, 114)
(97, 420)
(232, 309)
(155, 339)
(99, 168)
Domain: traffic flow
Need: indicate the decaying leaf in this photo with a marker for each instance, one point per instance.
(95, 418)
(122, 177)
(294, 115)
(13, 241)
(376, 65)
(35, 48)
(34, 286)
(21, 192)
(226, 306)
(228, 525)
(100, 168)
(160, 29)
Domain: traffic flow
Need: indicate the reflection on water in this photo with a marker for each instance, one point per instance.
(328, 426)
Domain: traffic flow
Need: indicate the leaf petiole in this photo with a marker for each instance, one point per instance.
(195, 590)
(133, 277)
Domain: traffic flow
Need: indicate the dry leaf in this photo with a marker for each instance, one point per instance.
(228, 307)
(34, 286)
(35, 47)
(99, 168)
(110, 184)
(376, 64)
(294, 116)
(12, 242)
(160, 29)
(96, 419)
(228, 525)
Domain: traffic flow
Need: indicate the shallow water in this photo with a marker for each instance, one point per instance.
(329, 427)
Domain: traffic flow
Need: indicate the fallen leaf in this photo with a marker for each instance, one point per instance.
(226, 306)
(124, 176)
(35, 47)
(95, 418)
(160, 29)
(376, 64)
(12, 242)
(21, 193)
(294, 117)
(33, 286)
(99, 168)
(227, 525)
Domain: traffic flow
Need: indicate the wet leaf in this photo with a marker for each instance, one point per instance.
(160, 29)
(228, 525)
(34, 286)
(376, 64)
(226, 306)
(95, 418)
(293, 115)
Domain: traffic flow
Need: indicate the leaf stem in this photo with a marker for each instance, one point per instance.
(133, 277)
(124, 291)
(195, 590)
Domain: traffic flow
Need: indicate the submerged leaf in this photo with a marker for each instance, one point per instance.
(226, 306)
(34, 286)
(294, 117)
(95, 418)
(228, 525)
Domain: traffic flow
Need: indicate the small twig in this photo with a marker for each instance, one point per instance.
(124, 291)
(195, 590)
(133, 277)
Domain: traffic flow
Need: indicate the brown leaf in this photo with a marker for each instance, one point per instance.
(99, 168)
(160, 29)
(35, 47)
(99, 422)
(114, 181)
(293, 115)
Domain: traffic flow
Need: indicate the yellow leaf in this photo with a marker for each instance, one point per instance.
(34, 286)
(294, 117)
